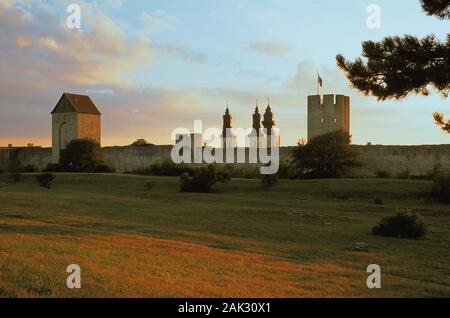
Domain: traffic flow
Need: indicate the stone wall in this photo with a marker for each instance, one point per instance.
(418, 160)
(21, 157)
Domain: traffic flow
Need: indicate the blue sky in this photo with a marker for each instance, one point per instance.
(153, 66)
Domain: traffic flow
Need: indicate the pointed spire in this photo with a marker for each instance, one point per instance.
(268, 121)
(268, 103)
(256, 108)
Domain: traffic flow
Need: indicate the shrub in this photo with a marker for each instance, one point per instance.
(287, 170)
(202, 180)
(52, 167)
(241, 171)
(29, 169)
(45, 179)
(150, 185)
(382, 174)
(325, 156)
(441, 189)
(103, 168)
(141, 143)
(404, 175)
(434, 173)
(403, 224)
(269, 180)
(16, 176)
(165, 167)
(83, 155)
(378, 201)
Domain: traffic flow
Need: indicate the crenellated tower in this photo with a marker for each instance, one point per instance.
(329, 114)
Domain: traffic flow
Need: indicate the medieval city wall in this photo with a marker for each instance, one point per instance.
(417, 160)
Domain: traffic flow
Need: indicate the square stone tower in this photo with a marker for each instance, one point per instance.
(74, 117)
(328, 114)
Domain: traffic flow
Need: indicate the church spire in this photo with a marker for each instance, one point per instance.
(227, 120)
(256, 119)
(269, 121)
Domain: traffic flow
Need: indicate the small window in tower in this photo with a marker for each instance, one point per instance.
(321, 120)
(335, 120)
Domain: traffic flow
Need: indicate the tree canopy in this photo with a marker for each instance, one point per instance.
(399, 66)
(325, 156)
(83, 155)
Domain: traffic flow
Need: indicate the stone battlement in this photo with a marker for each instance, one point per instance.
(417, 160)
(328, 113)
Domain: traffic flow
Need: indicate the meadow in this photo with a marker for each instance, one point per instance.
(138, 236)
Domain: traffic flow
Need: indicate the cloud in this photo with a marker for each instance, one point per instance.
(49, 44)
(181, 51)
(101, 54)
(159, 20)
(272, 48)
(22, 42)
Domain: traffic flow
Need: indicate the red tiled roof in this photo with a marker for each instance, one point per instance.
(80, 103)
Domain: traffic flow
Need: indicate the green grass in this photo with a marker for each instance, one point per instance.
(241, 241)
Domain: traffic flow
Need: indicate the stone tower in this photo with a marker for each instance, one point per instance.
(328, 115)
(74, 117)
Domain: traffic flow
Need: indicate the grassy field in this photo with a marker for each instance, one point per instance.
(244, 241)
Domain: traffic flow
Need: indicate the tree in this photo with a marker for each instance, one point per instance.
(440, 121)
(325, 156)
(140, 142)
(81, 155)
(398, 66)
(439, 8)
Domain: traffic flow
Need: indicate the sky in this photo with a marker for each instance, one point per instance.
(155, 65)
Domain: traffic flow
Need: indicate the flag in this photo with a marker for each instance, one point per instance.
(319, 80)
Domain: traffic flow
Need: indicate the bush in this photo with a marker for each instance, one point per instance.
(434, 173)
(288, 171)
(441, 189)
(53, 167)
(269, 180)
(45, 179)
(382, 174)
(202, 180)
(29, 169)
(83, 155)
(404, 175)
(150, 185)
(103, 168)
(403, 224)
(325, 156)
(165, 167)
(141, 143)
(378, 201)
(16, 176)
